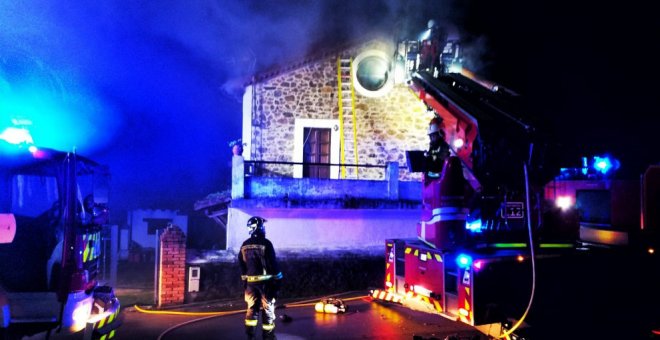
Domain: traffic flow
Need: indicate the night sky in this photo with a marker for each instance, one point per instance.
(152, 88)
(588, 67)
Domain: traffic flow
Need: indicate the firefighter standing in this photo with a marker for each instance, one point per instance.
(261, 277)
(432, 47)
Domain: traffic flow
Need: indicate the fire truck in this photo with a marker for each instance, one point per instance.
(494, 212)
(53, 207)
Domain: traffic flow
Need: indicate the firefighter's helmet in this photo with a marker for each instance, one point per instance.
(256, 225)
(434, 126)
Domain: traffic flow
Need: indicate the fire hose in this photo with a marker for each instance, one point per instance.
(506, 334)
(329, 305)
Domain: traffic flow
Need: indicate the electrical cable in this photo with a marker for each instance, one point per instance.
(531, 248)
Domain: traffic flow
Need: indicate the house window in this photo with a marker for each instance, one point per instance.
(316, 141)
(372, 73)
(316, 149)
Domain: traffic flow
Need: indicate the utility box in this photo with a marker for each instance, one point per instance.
(193, 279)
(7, 228)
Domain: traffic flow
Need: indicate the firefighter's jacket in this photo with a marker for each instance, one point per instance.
(258, 261)
(436, 157)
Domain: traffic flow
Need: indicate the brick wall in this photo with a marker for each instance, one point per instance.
(172, 267)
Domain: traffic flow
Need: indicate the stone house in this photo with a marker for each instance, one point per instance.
(325, 152)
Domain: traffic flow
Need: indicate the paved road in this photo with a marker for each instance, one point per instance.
(594, 296)
(363, 320)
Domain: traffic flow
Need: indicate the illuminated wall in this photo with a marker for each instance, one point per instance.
(386, 127)
(275, 106)
(307, 231)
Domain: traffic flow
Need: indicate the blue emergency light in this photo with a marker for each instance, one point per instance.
(605, 164)
(464, 260)
(474, 226)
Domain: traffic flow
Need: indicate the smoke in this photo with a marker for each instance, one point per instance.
(163, 79)
(475, 54)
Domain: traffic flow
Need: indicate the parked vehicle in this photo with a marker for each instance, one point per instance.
(53, 206)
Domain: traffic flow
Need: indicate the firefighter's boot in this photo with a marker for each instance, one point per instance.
(268, 331)
(250, 332)
(251, 328)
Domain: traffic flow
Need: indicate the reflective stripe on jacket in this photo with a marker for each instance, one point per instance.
(257, 260)
(260, 278)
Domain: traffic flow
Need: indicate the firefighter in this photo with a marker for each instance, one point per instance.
(432, 46)
(261, 277)
(438, 149)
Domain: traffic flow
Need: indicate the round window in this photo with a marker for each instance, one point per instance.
(372, 73)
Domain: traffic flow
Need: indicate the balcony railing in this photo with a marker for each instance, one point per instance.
(272, 182)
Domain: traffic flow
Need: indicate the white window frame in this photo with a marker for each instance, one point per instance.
(389, 84)
(298, 140)
(247, 123)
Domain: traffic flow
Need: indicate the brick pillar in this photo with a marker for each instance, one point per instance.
(172, 267)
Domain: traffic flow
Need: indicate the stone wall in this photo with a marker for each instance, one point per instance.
(387, 126)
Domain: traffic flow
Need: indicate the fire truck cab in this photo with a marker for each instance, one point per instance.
(53, 206)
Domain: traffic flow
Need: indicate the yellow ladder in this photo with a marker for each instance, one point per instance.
(346, 97)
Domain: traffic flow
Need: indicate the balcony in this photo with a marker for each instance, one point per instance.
(254, 187)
